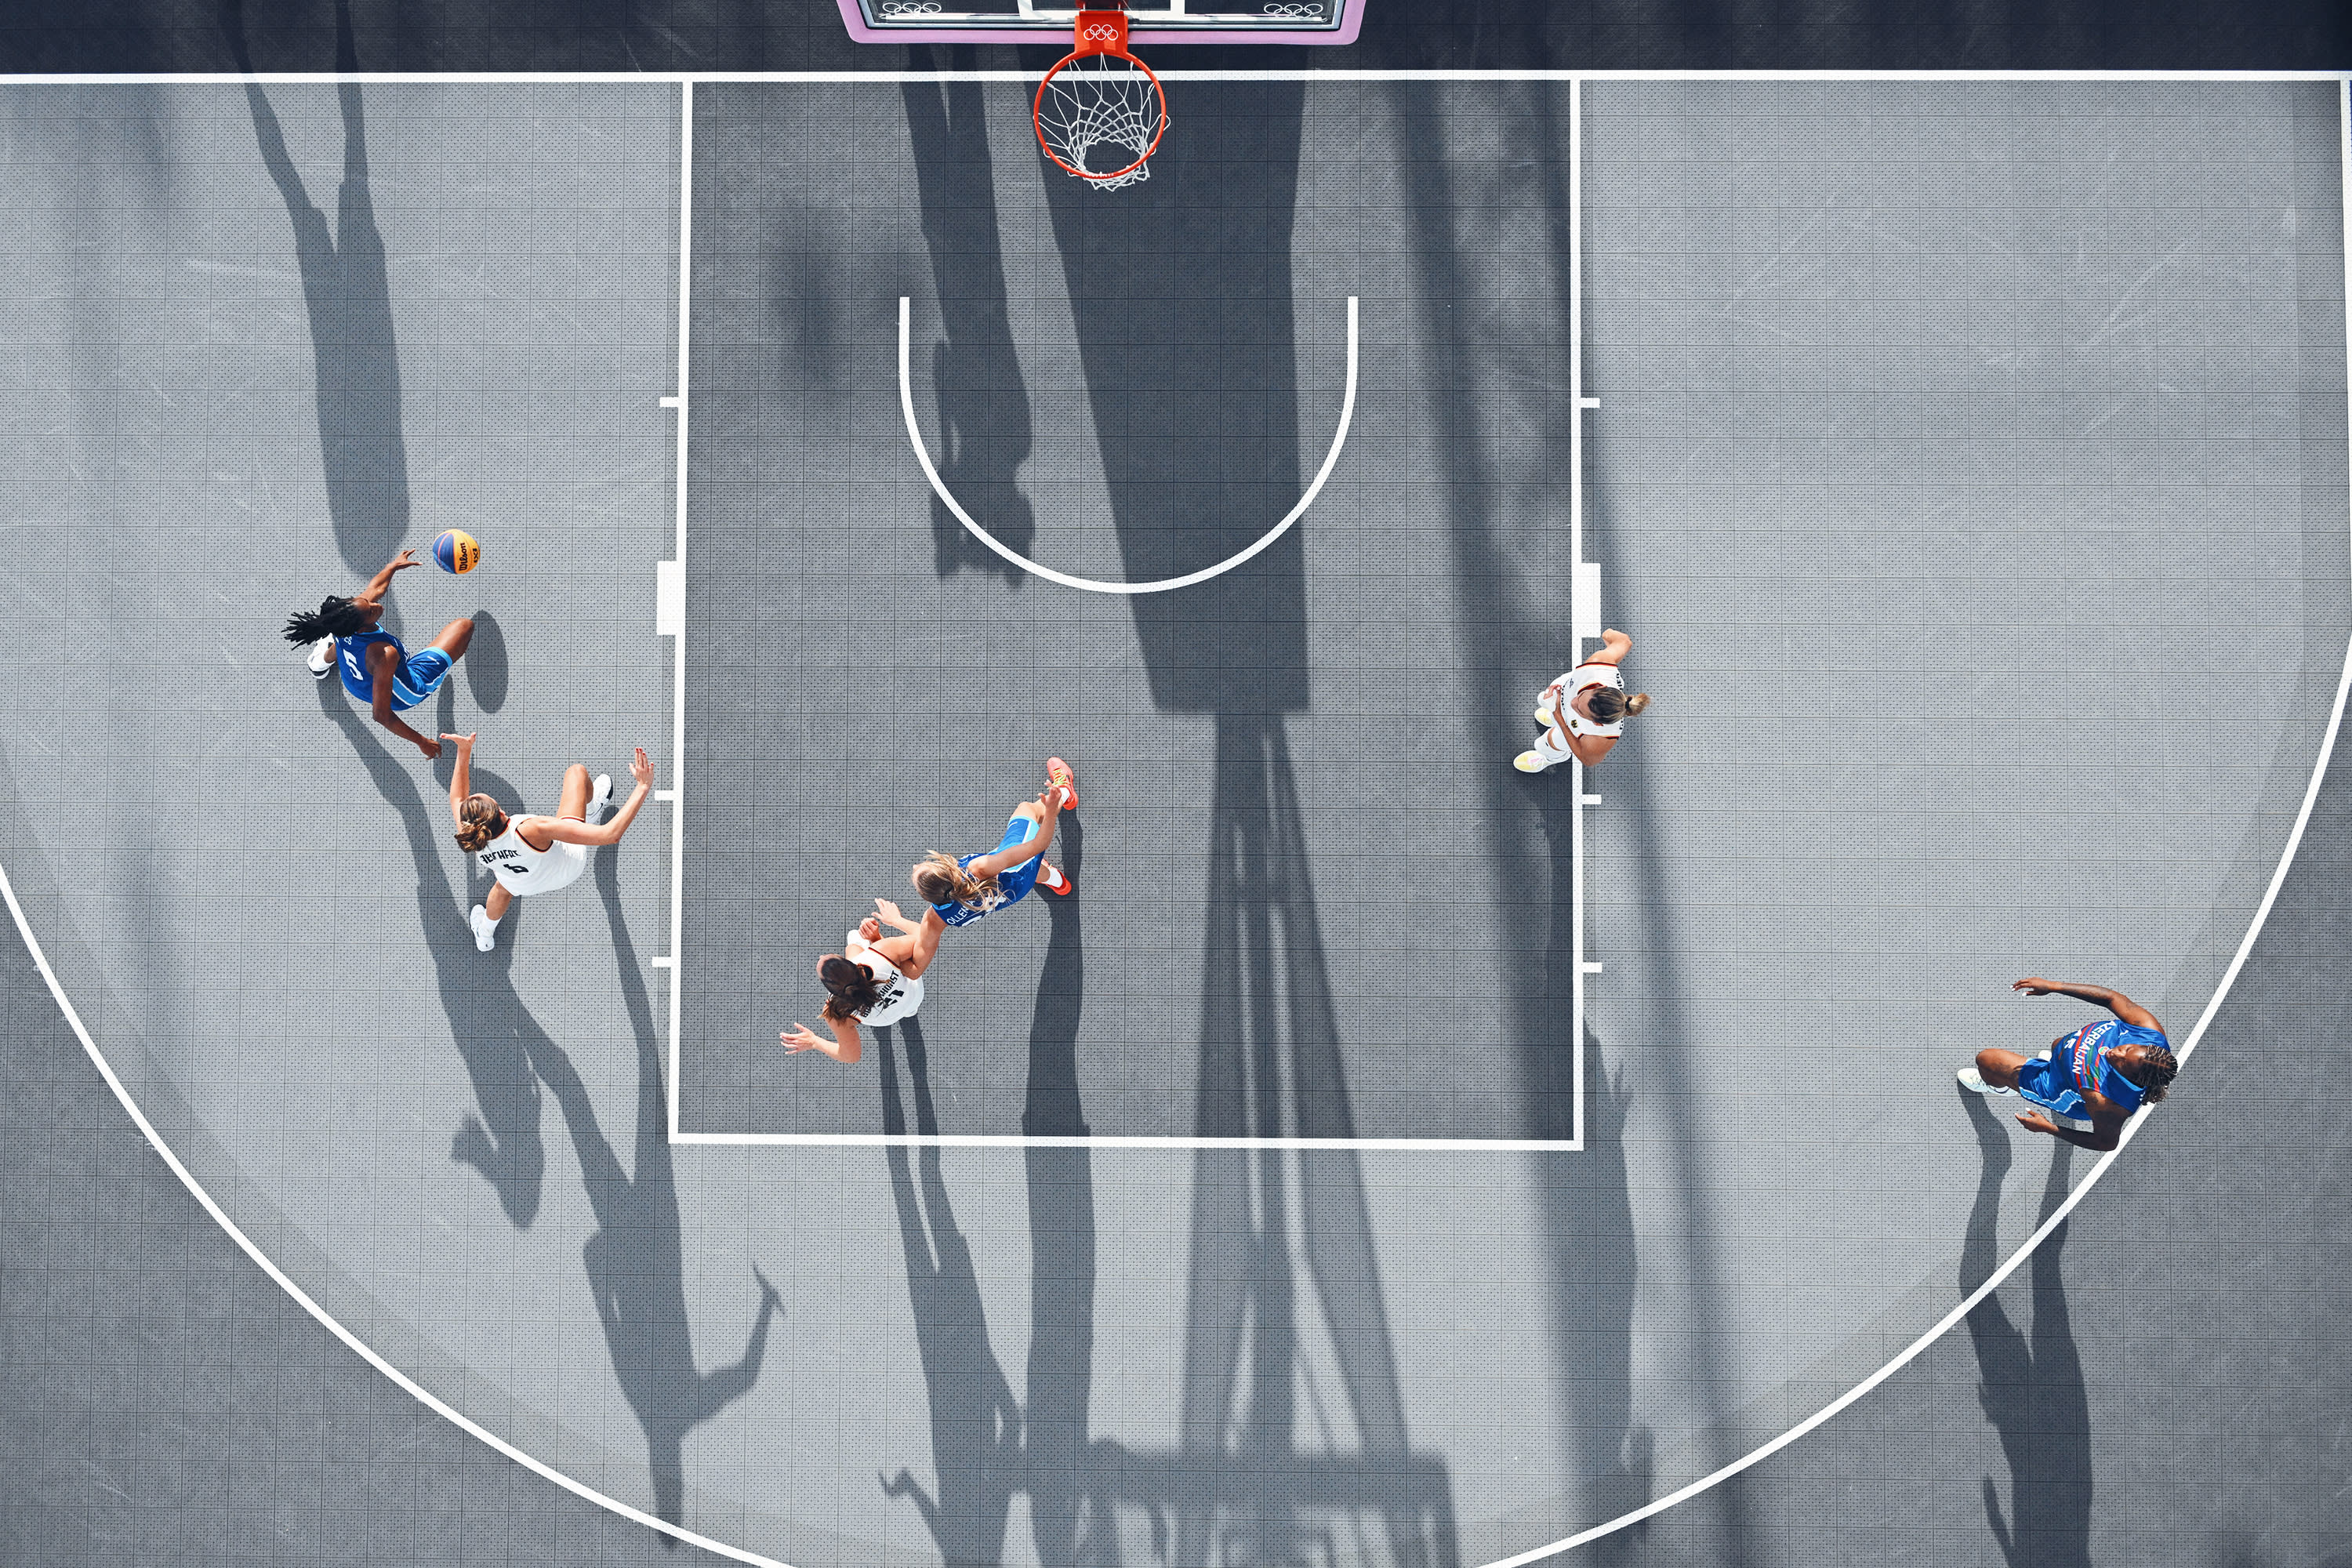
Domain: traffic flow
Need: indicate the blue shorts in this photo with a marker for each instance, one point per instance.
(423, 674)
(1017, 882)
(1012, 886)
(2047, 1082)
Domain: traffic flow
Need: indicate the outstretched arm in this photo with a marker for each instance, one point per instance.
(461, 776)
(845, 1047)
(2106, 1132)
(2114, 1002)
(1614, 646)
(641, 768)
(379, 584)
(924, 944)
(384, 666)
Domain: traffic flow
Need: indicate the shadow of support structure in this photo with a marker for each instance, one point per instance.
(1191, 477)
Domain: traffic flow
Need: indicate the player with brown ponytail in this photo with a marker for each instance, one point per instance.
(876, 979)
(527, 855)
(1584, 712)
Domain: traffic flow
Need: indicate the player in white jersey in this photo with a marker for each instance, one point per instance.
(877, 980)
(1584, 712)
(529, 855)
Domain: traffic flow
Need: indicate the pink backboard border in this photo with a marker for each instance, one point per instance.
(1351, 21)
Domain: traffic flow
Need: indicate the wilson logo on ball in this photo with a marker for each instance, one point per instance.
(455, 551)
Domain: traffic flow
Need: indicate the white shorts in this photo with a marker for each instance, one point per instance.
(559, 868)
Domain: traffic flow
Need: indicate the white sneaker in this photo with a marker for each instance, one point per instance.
(1974, 1082)
(486, 930)
(602, 794)
(1529, 762)
(320, 659)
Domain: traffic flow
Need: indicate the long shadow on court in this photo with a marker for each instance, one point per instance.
(985, 421)
(985, 1447)
(2033, 1389)
(348, 296)
(634, 1262)
(1192, 479)
(1587, 1207)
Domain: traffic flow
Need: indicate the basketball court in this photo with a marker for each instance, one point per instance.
(1386, 1156)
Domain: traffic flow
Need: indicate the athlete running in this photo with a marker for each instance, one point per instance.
(876, 980)
(377, 670)
(2089, 1083)
(1584, 712)
(963, 890)
(531, 855)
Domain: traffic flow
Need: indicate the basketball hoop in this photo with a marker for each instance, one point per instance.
(1101, 106)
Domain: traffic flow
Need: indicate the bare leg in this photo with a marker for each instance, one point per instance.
(496, 905)
(1030, 809)
(573, 801)
(456, 638)
(1999, 1068)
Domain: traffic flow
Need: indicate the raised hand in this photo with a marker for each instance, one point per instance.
(797, 1038)
(641, 768)
(2033, 985)
(465, 744)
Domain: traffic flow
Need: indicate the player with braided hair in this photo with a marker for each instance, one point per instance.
(2088, 1083)
(377, 670)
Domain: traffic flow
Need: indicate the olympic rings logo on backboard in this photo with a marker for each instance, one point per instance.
(1100, 33)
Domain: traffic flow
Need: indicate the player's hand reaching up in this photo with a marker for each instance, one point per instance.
(797, 1038)
(641, 768)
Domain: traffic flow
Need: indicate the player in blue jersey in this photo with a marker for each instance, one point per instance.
(2088, 1083)
(963, 890)
(377, 670)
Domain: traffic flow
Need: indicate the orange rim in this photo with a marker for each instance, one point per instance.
(1037, 112)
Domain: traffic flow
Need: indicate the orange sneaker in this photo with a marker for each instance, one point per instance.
(1054, 880)
(1058, 772)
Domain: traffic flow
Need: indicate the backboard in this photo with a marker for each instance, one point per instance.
(1179, 22)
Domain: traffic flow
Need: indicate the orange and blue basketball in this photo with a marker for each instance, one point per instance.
(455, 551)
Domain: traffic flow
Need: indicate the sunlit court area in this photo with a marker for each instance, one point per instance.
(1387, 1124)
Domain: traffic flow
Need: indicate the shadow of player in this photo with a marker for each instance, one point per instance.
(348, 293)
(2032, 1391)
(976, 1445)
(634, 1262)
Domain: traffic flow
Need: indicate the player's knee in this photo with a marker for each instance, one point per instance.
(1993, 1064)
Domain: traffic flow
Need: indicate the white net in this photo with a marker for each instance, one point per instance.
(1100, 113)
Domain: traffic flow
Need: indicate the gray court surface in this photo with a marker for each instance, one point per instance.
(1969, 469)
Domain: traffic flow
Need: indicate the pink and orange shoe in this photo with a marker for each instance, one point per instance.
(1056, 881)
(1057, 771)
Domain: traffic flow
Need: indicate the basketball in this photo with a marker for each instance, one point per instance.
(455, 551)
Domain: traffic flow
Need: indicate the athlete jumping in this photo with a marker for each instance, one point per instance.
(377, 670)
(2089, 1083)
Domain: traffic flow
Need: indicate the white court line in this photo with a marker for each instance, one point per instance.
(677, 671)
(579, 1488)
(1097, 584)
(1578, 992)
